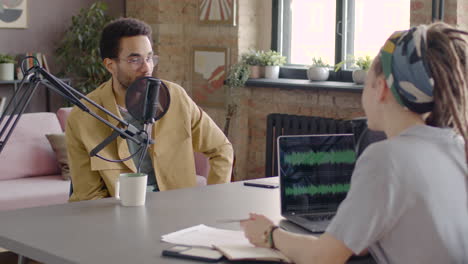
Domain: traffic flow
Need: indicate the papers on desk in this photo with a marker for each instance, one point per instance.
(232, 244)
(205, 236)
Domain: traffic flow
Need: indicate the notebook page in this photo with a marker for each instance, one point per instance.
(205, 236)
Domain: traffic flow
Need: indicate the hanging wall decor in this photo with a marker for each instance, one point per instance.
(208, 75)
(13, 14)
(217, 12)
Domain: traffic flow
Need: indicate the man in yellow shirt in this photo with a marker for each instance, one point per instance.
(127, 54)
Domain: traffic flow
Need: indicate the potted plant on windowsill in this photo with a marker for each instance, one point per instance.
(253, 59)
(272, 60)
(361, 66)
(7, 67)
(319, 70)
(364, 63)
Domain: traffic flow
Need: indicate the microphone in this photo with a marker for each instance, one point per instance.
(147, 99)
(152, 100)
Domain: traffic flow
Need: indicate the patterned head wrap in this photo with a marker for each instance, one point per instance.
(406, 71)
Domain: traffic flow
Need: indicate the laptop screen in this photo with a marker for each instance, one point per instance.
(315, 172)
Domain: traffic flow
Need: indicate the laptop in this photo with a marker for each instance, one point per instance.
(315, 174)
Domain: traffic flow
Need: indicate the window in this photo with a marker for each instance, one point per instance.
(334, 30)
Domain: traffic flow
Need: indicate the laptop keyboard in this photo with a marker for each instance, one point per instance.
(318, 218)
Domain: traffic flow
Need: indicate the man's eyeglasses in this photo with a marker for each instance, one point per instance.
(136, 62)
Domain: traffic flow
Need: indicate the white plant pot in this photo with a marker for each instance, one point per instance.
(7, 71)
(359, 76)
(272, 72)
(318, 73)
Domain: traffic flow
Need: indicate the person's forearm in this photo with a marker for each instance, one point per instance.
(309, 249)
(221, 165)
(299, 248)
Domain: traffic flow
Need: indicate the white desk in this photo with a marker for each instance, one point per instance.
(102, 231)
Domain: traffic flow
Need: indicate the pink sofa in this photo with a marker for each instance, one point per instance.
(29, 170)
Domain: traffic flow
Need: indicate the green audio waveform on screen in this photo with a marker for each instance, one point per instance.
(318, 189)
(312, 158)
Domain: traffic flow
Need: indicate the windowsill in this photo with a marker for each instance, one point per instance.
(305, 84)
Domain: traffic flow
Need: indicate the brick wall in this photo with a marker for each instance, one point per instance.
(176, 31)
(462, 14)
(455, 12)
(255, 103)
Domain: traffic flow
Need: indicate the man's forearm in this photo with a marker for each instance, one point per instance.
(221, 165)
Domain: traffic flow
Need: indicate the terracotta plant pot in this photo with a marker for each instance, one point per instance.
(256, 72)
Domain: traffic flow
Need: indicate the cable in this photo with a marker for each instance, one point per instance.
(143, 154)
(121, 160)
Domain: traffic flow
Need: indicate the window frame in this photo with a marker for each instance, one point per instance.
(281, 28)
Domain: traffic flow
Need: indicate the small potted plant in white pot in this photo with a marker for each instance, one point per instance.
(7, 67)
(254, 60)
(360, 65)
(272, 60)
(319, 70)
(364, 63)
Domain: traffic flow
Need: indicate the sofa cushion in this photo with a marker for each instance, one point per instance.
(59, 145)
(62, 115)
(27, 152)
(32, 192)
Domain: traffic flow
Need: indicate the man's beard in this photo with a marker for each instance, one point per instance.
(124, 80)
(123, 83)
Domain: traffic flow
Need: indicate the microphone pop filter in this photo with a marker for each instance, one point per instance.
(140, 94)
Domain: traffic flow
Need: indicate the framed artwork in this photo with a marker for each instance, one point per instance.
(13, 14)
(217, 12)
(208, 75)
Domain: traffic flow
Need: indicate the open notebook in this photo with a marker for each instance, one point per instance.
(239, 252)
(232, 244)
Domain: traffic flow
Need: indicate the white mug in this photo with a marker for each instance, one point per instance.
(130, 189)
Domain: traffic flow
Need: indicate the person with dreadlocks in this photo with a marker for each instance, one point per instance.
(408, 198)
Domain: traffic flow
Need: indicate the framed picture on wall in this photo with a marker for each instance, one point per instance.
(208, 75)
(221, 12)
(13, 13)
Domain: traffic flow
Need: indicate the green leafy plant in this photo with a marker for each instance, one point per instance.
(273, 58)
(5, 58)
(362, 63)
(78, 52)
(318, 62)
(252, 58)
(238, 75)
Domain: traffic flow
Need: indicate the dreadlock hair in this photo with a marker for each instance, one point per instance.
(446, 56)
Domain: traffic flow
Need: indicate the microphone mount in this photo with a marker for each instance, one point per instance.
(37, 75)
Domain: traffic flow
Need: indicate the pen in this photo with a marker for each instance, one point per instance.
(261, 185)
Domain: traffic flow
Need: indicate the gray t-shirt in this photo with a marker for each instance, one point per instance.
(146, 164)
(408, 200)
